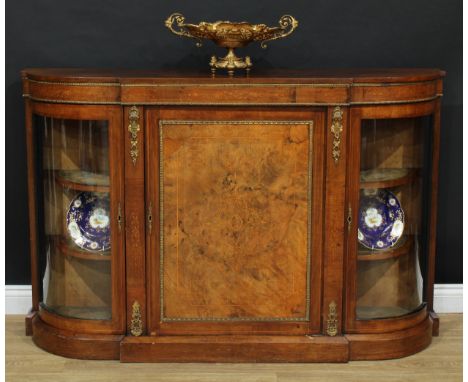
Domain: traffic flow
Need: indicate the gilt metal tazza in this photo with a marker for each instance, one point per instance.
(231, 35)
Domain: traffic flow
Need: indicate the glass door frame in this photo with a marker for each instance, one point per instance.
(357, 114)
(113, 115)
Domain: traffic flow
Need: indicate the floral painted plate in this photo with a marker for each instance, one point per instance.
(381, 219)
(88, 221)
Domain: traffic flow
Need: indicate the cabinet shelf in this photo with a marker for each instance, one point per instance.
(396, 251)
(82, 180)
(68, 249)
(380, 312)
(387, 177)
(80, 312)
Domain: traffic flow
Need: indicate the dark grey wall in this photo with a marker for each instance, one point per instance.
(331, 33)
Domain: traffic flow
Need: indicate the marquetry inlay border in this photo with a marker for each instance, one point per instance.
(177, 103)
(231, 84)
(251, 123)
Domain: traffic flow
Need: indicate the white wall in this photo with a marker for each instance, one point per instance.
(448, 298)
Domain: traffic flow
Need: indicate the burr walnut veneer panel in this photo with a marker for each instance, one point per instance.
(235, 206)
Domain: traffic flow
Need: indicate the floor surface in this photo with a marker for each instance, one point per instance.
(441, 362)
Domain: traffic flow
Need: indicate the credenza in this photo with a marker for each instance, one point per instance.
(284, 216)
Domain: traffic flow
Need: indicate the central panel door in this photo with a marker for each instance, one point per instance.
(234, 250)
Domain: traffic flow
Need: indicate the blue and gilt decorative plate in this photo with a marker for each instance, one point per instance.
(88, 221)
(381, 219)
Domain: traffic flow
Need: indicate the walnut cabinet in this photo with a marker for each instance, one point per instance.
(287, 216)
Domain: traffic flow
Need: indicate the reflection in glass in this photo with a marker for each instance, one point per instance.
(74, 216)
(392, 224)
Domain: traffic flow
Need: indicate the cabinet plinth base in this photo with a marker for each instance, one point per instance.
(234, 349)
(73, 345)
(392, 345)
(28, 322)
(435, 323)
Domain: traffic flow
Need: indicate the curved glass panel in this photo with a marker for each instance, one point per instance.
(393, 216)
(74, 216)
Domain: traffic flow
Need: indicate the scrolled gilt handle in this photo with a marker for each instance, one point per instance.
(178, 19)
(287, 24)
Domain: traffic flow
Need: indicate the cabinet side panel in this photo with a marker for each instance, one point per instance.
(433, 206)
(30, 144)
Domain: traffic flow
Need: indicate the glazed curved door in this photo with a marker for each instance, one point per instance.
(237, 248)
(79, 204)
(393, 188)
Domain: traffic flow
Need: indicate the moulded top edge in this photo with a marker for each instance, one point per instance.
(343, 77)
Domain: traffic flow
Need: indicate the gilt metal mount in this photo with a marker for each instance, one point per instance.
(337, 129)
(133, 129)
(332, 321)
(136, 326)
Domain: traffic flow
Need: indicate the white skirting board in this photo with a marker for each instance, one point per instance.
(448, 298)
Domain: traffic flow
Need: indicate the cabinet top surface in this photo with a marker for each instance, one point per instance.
(346, 76)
